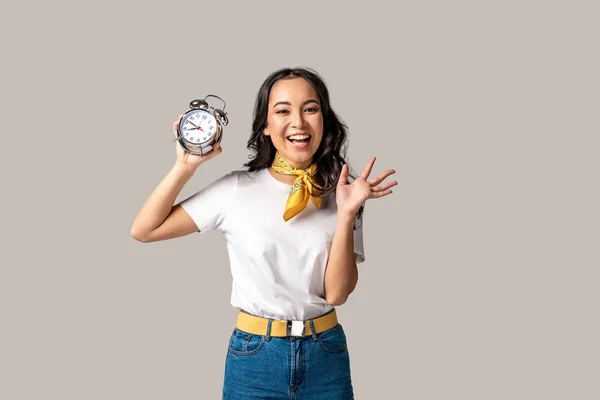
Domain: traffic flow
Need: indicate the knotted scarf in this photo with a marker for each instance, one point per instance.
(303, 189)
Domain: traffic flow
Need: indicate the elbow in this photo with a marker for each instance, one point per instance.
(137, 236)
(340, 296)
(336, 301)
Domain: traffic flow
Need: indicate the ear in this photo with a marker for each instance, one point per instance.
(266, 131)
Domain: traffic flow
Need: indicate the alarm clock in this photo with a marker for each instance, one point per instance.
(202, 126)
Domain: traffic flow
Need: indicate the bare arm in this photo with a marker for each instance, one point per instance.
(341, 273)
(159, 219)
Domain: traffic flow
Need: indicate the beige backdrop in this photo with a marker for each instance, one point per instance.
(481, 279)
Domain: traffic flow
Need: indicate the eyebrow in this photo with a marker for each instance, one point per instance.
(289, 104)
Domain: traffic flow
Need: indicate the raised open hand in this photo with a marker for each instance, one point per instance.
(349, 197)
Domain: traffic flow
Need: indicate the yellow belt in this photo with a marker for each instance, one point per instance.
(281, 328)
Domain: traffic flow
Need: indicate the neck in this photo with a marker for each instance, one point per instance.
(287, 179)
(303, 165)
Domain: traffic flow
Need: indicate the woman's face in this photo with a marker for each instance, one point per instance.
(294, 109)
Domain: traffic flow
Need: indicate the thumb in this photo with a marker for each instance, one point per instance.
(343, 175)
(176, 125)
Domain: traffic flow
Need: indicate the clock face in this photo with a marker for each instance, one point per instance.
(198, 126)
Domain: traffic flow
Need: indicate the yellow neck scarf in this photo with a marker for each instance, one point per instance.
(303, 189)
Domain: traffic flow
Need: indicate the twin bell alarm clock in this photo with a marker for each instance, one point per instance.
(202, 126)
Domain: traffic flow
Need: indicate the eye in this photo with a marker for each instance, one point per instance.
(281, 111)
(312, 109)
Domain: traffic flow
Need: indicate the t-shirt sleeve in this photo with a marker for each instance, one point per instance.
(208, 207)
(358, 240)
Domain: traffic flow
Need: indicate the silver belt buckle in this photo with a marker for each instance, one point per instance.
(295, 328)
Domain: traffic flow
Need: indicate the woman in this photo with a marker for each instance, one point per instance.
(292, 222)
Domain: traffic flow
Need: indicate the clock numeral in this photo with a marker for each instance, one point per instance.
(204, 117)
(211, 128)
(192, 138)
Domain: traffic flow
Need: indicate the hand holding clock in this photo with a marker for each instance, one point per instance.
(189, 159)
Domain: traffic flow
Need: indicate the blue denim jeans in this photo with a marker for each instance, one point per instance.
(314, 367)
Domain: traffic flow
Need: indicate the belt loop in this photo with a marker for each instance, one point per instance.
(312, 329)
(268, 334)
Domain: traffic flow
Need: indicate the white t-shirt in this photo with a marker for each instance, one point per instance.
(277, 267)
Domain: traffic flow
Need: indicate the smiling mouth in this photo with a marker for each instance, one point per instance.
(299, 143)
(299, 140)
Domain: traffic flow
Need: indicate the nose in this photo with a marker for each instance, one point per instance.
(298, 120)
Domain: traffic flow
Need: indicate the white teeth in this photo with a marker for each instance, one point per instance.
(298, 137)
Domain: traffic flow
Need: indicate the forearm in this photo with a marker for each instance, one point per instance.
(341, 273)
(161, 201)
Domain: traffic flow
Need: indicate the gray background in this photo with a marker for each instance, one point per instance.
(481, 279)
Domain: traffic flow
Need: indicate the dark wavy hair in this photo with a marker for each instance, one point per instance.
(332, 149)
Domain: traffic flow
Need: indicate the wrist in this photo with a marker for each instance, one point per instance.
(346, 218)
(185, 169)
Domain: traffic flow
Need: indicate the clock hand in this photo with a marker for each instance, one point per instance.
(193, 124)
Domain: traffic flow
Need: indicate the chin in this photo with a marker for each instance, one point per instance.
(295, 156)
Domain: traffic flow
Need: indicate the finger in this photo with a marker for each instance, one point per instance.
(375, 195)
(381, 177)
(178, 120)
(384, 187)
(175, 124)
(367, 171)
(215, 152)
(343, 175)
